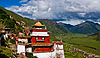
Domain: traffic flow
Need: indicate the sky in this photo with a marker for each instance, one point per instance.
(49, 9)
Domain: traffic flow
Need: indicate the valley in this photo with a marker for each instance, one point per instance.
(83, 42)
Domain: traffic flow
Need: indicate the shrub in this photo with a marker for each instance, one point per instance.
(30, 55)
(5, 52)
(13, 41)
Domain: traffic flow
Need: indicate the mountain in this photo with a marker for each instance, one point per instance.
(68, 26)
(16, 16)
(8, 20)
(87, 27)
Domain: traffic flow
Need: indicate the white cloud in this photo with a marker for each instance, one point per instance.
(23, 1)
(72, 21)
(50, 8)
(82, 14)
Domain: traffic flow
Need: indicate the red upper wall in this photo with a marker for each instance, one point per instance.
(39, 30)
(46, 40)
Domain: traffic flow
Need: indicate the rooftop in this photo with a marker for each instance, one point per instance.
(38, 24)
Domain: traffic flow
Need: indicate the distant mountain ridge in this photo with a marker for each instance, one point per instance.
(87, 27)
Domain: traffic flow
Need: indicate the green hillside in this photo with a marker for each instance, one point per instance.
(84, 28)
(16, 16)
(8, 20)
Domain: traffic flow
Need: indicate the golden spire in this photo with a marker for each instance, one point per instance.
(38, 24)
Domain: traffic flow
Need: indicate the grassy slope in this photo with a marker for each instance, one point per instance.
(18, 17)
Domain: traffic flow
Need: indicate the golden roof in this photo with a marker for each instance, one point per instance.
(38, 24)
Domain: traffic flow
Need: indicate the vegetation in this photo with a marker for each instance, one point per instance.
(13, 41)
(3, 41)
(5, 52)
(84, 42)
(8, 20)
(88, 43)
(97, 36)
(84, 28)
(16, 16)
(69, 54)
(30, 55)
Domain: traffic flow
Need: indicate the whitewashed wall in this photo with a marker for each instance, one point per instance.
(23, 40)
(59, 51)
(29, 49)
(20, 49)
(45, 55)
(59, 46)
(39, 34)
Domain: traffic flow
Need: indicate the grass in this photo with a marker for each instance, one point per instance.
(71, 55)
(84, 42)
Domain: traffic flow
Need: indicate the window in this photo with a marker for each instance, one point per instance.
(36, 37)
(42, 38)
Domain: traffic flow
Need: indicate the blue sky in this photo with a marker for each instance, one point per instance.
(8, 3)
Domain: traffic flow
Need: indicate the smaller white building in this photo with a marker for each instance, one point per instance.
(59, 49)
(29, 49)
(21, 49)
